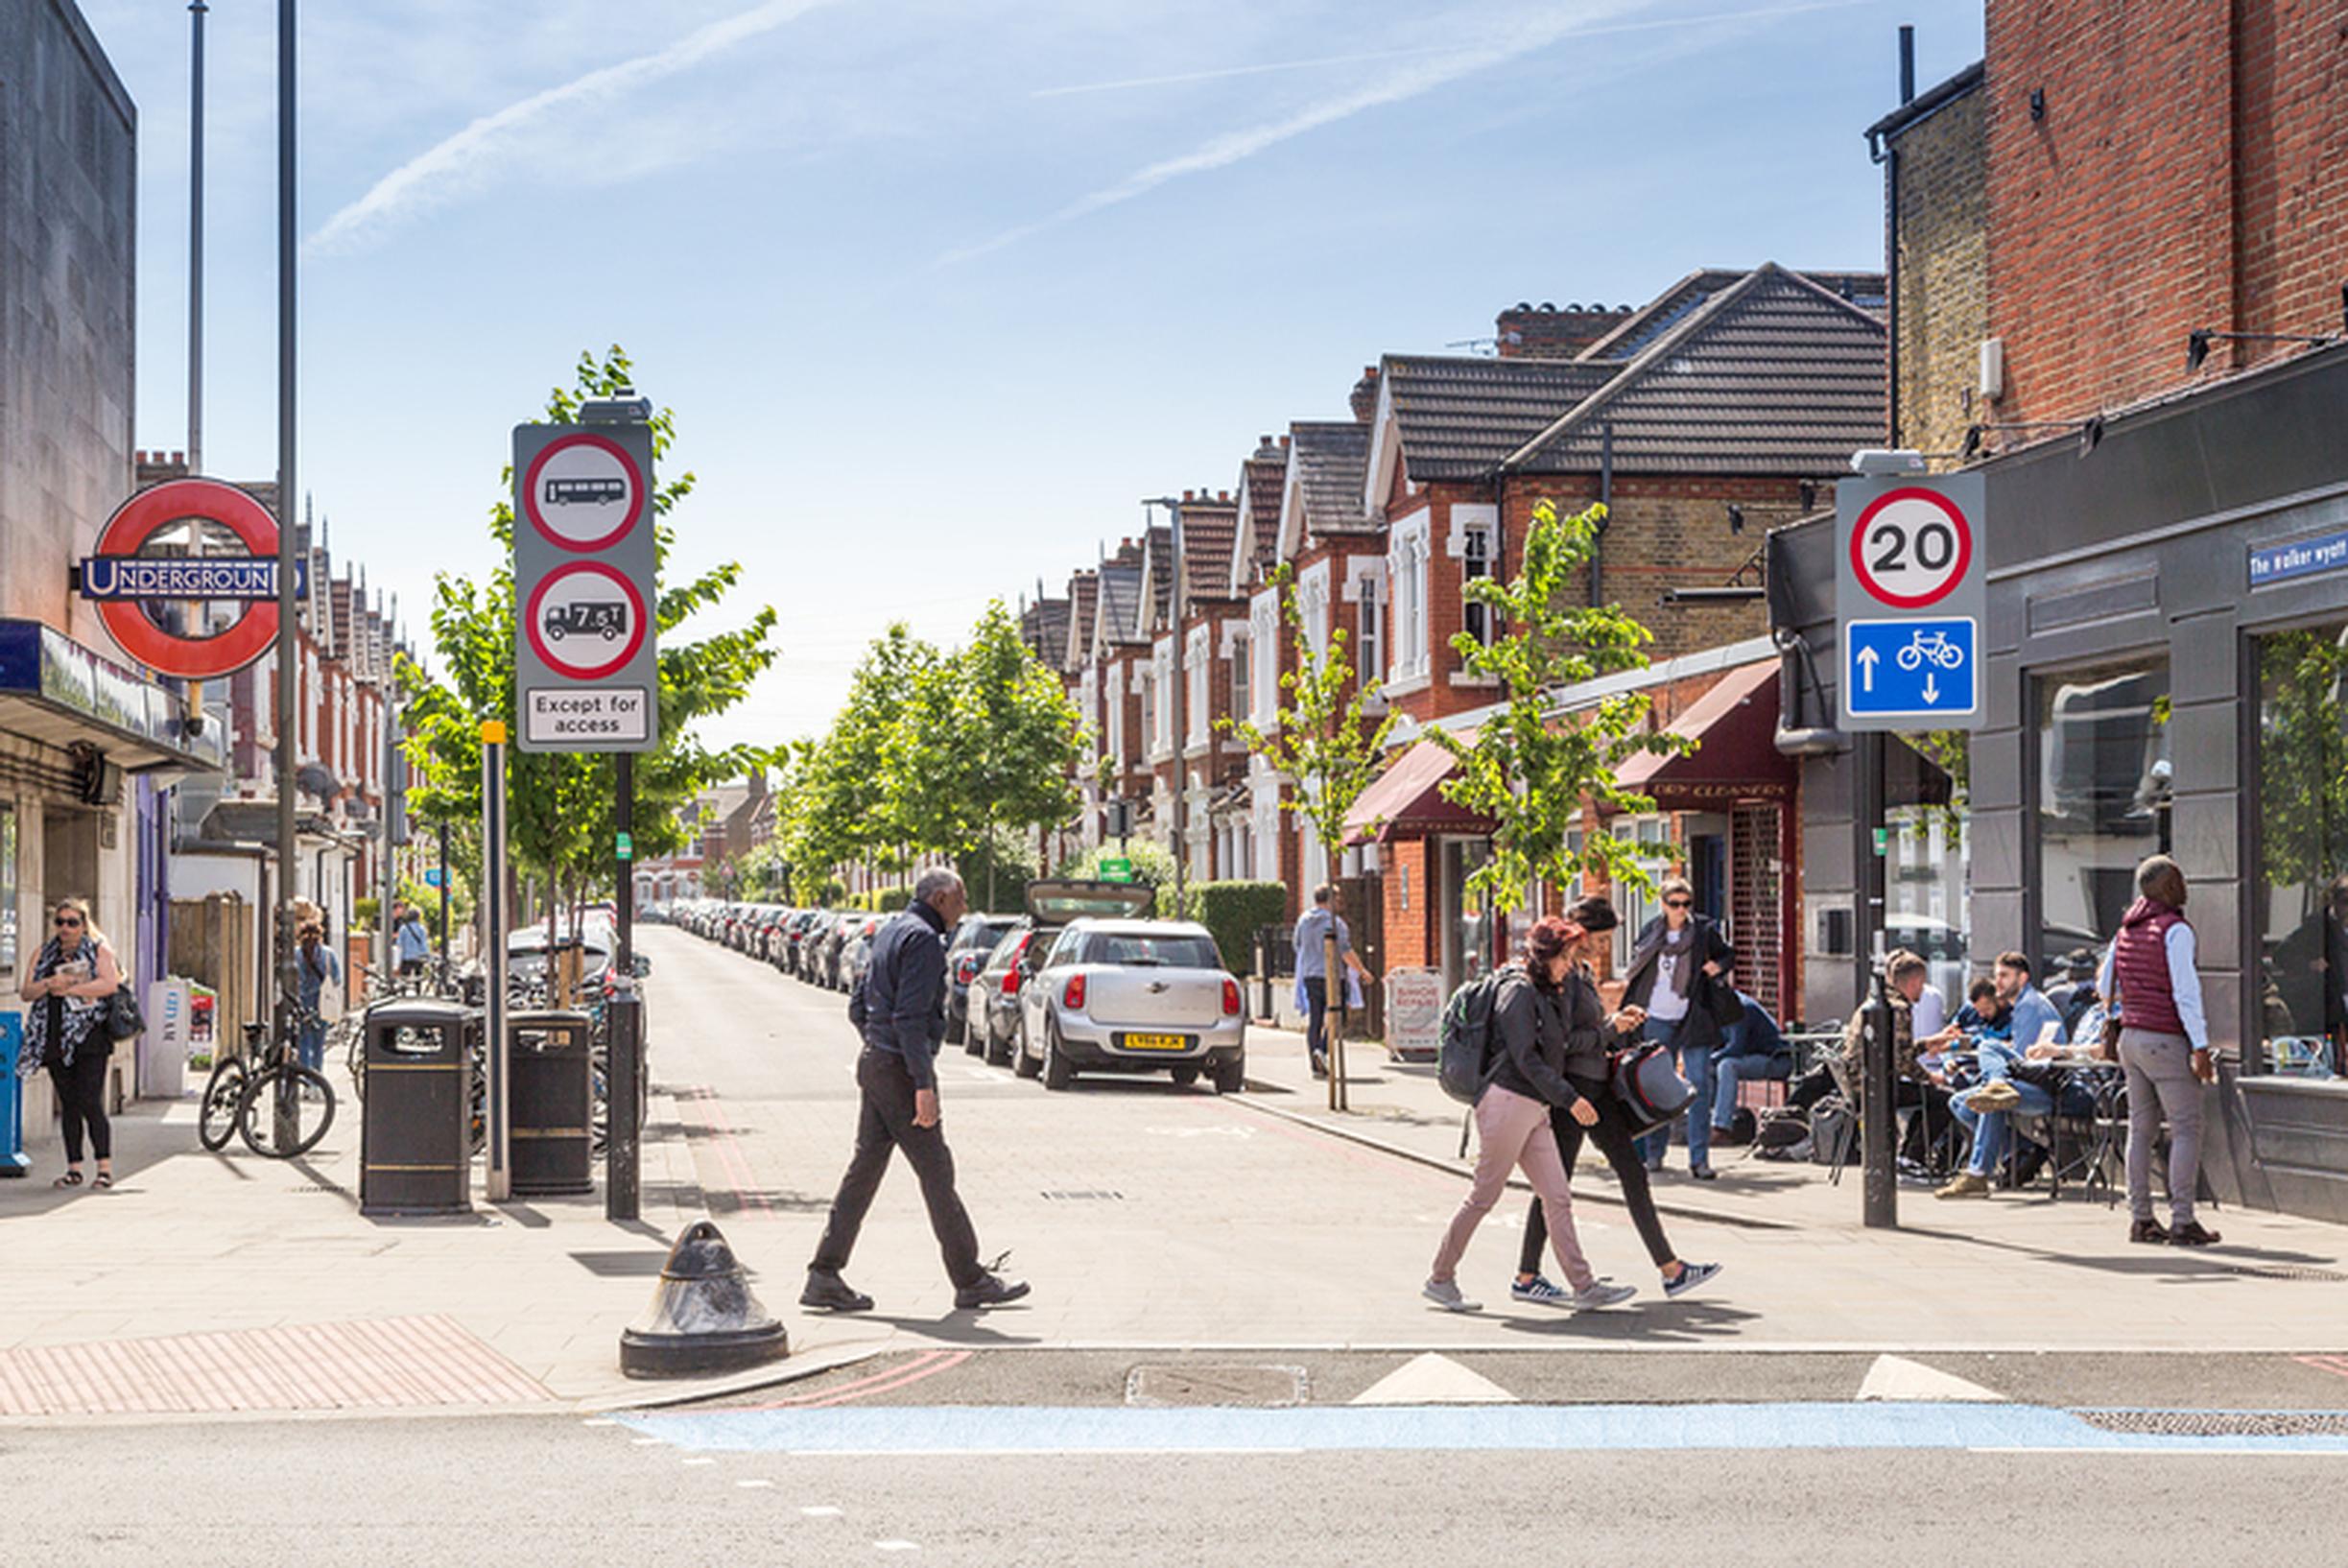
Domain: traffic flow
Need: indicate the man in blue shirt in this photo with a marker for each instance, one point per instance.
(413, 941)
(1755, 1051)
(1988, 1108)
(1312, 972)
(900, 1010)
(2033, 1014)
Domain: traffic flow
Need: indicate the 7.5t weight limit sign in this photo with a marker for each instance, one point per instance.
(1909, 601)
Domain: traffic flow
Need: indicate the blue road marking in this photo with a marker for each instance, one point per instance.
(1902, 668)
(1046, 1430)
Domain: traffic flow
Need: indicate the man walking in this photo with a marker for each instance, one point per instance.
(900, 1010)
(2149, 974)
(414, 942)
(1311, 943)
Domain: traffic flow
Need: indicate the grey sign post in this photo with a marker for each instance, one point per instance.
(586, 667)
(1910, 608)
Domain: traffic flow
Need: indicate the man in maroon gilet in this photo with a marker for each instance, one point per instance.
(2149, 979)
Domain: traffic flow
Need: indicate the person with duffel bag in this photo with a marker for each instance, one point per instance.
(1629, 1091)
(1527, 1025)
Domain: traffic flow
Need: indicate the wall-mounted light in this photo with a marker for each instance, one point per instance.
(2038, 105)
(2088, 430)
(1736, 518)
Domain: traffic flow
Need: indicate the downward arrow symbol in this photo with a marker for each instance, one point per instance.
(1931, 690)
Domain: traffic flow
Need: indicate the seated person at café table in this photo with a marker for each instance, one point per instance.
(2012, 1081)
(1911, 1084)
(1754, 1051)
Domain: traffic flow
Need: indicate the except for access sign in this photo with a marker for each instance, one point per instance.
(587, 669)
(1910, 600)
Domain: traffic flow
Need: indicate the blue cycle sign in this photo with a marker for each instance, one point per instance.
(1909, 601)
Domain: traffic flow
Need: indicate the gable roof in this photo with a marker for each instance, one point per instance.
(1210, 529)
(1460, 415)
(1083, 592)
(1773, 374)
(1043, 625)
(1329, 463)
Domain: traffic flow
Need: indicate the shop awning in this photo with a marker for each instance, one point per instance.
(1408, 800)
(1734, 727)
(53, 690)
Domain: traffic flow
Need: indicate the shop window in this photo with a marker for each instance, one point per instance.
(7, 887)
(2302, 908)
(1928, 856)
(2103, 800)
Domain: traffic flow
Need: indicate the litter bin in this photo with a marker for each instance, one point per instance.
(551, 1073)
(416, 1137)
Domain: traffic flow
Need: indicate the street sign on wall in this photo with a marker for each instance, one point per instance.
(586, 667)
(197, 606)
(1910, 600)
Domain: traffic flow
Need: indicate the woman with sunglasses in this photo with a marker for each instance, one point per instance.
(1677, 956)
(1608, 1127)
(65, 1031)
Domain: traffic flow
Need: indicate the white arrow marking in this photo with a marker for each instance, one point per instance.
(1931, 690)
(1867, 658)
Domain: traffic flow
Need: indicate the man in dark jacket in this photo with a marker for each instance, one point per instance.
(900, 1010)
(1678, 958)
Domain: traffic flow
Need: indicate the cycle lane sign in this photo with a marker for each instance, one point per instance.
(1910, 600)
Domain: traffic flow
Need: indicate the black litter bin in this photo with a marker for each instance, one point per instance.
(551, 1071)
(415, 1138)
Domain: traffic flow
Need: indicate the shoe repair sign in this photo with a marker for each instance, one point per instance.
(587, 665)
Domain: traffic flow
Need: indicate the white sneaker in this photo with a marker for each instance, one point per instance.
(1602, 1295)
(1445, 1294)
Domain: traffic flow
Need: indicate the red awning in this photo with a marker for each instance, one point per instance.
(1735, 730)
(1408, 799)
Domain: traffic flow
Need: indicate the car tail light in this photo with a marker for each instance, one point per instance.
(964, 968)
(1230, 998)
(1010, 980)
(1073, 996)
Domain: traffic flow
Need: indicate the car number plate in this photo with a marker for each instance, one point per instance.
(1157, 1042)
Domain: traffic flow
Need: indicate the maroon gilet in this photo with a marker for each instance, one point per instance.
(2139, 967)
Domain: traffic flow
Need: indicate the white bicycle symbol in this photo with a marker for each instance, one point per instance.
(1933, 646)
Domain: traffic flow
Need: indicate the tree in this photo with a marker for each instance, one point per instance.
(561, 806)
(1533, 774)
(1012, 742)
(853, 801)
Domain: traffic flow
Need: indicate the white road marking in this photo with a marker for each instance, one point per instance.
(754, 1481)
(600, 1420)
(894, 1546)
(700, 1461)
(647, 1443)
(821, 1510)
(1434, 1380)
(1897, 1378)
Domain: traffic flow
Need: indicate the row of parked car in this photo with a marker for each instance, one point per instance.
(1084, 981)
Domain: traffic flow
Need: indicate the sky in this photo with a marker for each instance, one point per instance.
(938, 289)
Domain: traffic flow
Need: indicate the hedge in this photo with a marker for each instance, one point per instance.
(1233, 910)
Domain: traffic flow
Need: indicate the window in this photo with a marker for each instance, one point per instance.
(1476, 563)
(1372, 665)
(1152, 952)
(2104, 798)
(1197, 651)
(1239, 676)
(2302, 907)
(1150, 710)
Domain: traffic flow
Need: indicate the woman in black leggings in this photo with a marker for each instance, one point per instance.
(66, 1032)
(1612, 1134)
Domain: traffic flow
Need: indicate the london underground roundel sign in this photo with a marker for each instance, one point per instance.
(1912, 548)
(154, 552)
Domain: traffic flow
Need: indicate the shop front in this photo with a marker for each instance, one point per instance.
(2167, 672)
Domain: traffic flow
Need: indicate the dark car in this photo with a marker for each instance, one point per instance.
(974, 941)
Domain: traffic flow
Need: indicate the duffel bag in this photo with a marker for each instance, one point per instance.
(1650, 1087)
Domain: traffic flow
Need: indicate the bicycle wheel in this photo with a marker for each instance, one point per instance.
(354, 1056)
(286, 1110)
(223, 1092)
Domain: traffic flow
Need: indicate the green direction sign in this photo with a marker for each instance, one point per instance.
(1116, 870)
(627, 847)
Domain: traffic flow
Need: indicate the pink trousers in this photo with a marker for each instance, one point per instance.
(1514, 1134)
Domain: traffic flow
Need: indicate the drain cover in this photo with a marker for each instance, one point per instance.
(2253, 1270)
(1085, 1195)
(2216, 1423)
(1264, 1388)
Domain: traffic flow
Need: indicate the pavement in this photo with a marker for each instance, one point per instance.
(1150, 1218)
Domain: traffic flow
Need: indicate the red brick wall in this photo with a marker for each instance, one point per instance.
(2190, 170)
(1410, 933)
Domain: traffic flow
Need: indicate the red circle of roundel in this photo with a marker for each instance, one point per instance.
(134, 522)
(1957, 521)
(531, 501)
(537, 635)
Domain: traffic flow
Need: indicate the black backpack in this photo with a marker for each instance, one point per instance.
(1463, 1061)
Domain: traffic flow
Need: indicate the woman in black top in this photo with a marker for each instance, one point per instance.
(1586, 1070)
(65, 1031)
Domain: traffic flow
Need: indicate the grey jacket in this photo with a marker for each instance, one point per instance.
(905, 992)
(1544, 1036)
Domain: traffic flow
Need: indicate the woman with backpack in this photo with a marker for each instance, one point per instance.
(1611, 1131)
(1679, 957)
(1540, 1026)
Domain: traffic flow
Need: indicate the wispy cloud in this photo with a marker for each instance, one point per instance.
(464, 159)
(1223, 73)
(1238, 146)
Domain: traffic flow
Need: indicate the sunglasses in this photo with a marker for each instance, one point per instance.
(68, 920)
(1679, 903)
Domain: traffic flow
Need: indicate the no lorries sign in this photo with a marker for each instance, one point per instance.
(1909, 601)
(587, 669)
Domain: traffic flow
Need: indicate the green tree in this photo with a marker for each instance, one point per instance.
(853, 800)
(1531, 773)
(998, 746)
(561, 805)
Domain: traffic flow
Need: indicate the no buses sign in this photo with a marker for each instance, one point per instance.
(586, 670)
(1909, 601)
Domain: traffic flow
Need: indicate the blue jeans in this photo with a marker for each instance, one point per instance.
(311, 1045)
(1695, 1066)
(1729, 1071)
(1991, 1129)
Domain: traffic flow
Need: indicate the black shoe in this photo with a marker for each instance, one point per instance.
(2191, 1234)
(2150, 1232)
(829, 1292)
(1320, 1065)
(991, 1290)
(1704, 1173)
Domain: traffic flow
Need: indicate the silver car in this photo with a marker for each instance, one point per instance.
(1134, 996)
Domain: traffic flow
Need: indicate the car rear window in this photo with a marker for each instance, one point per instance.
(1168, 952)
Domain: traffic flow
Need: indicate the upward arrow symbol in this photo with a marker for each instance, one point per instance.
(1867, 658)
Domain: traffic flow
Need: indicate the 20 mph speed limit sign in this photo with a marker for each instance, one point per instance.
(1909, 601)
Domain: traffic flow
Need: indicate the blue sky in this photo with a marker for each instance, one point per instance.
(939, 288)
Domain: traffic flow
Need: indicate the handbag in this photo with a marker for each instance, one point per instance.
(1651, 1092)
(122, 1019)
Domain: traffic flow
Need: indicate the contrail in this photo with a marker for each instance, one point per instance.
(430, 173)
(1234, 146)
(1218, 73)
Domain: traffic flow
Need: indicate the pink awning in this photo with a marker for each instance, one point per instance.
(1735, 730)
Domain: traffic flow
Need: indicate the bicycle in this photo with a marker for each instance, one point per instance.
(278, 1107)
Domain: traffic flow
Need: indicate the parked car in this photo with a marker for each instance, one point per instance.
(991, 1014)
(828, 970)
(856, 950)
(1134, 996)
(968, 951)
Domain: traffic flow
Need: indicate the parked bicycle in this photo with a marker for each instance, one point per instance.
(266, 1096)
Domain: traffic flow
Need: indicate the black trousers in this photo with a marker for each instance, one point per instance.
(1614, 1139)
(1317, 1019)
(81, 1094)
(884, 1123)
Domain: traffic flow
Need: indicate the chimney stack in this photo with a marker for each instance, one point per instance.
(1547, 332)
(1365, 394)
